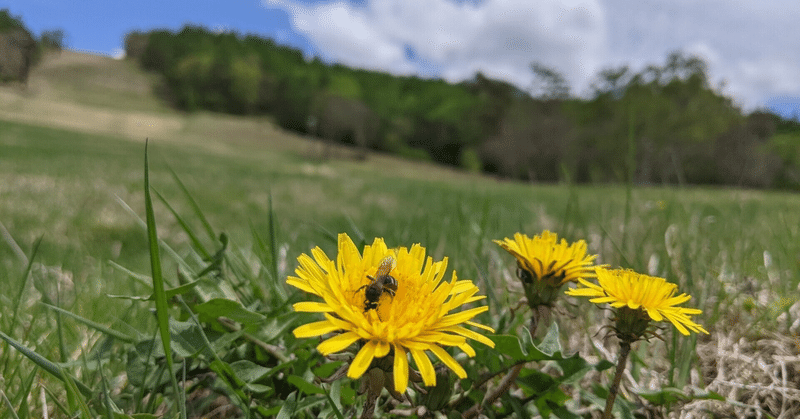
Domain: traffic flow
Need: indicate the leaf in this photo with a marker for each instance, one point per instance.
(257, 388)
(118, 415)
(550, 344)
(335, 399)
(510, 346)
(289, 406)
(549, 349)
(562, 412)
(223, 307)
(669, 395)
(327, 369)
(249, 371)
(187, 338)
(197, 211)
(304, 385)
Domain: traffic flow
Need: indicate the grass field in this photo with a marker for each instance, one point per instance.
(737, 252)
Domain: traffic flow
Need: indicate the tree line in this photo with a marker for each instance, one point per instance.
(663, 124)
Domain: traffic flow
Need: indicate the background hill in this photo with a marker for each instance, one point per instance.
(97, 94)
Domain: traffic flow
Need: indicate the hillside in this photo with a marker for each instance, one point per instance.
(100, 95)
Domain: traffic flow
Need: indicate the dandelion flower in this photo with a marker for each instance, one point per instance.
(653, 295)
(417, 319)
(638, 300)
(544, 264)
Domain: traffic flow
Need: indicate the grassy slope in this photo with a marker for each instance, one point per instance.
(73, 142)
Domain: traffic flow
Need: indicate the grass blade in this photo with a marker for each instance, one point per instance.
(94, 325)
(13, 244)
(273, 242)
(55, 399)
(71, 388)
(335, 406)
(197, 211)
(107, 403)
(173, 254)
(278, 294)
(162, 309)
(44, 363)
(185, 226)
(10, 406)
(25, 393)
(18, 298)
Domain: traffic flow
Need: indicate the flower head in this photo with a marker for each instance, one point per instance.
(544, 264)
(638, 293)
(414, 318)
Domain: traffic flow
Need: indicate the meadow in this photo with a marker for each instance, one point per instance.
(73, 205)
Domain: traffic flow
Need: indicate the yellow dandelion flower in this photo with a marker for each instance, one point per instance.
(654, 295)
(544, 265)
(543, 258)
(414, 318)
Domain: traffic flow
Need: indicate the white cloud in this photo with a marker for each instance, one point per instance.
(118, 53)
(750, 45)
(498, 37)
(746, 43)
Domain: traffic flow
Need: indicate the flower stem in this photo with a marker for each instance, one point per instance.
(373, 381)
(540, 313)
(625, 349)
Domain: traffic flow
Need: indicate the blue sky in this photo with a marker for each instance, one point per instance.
(100, 25)
(751, 46)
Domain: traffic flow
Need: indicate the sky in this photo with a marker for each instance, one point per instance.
(752, 47)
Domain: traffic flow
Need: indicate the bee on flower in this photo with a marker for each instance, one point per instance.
(389, 303)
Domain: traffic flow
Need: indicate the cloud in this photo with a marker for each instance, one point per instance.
(749, 45)
(497, 37)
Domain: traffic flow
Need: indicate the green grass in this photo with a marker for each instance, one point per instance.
(64, 186)
(71, 190)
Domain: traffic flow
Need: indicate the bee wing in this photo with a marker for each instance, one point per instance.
(387, 264)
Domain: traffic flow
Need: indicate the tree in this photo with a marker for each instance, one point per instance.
(52, 39)
(549, 84)
(18, 49)
(671, 111)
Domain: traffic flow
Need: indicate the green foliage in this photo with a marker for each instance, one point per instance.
(677, 120)
(21, 51)
(7, 21)
(52, 39)
(683, 128)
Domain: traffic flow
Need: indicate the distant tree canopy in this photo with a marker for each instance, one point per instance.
(18, 49)
(52, 39)
(665, 124)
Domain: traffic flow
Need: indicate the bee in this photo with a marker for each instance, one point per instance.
(382, 282)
